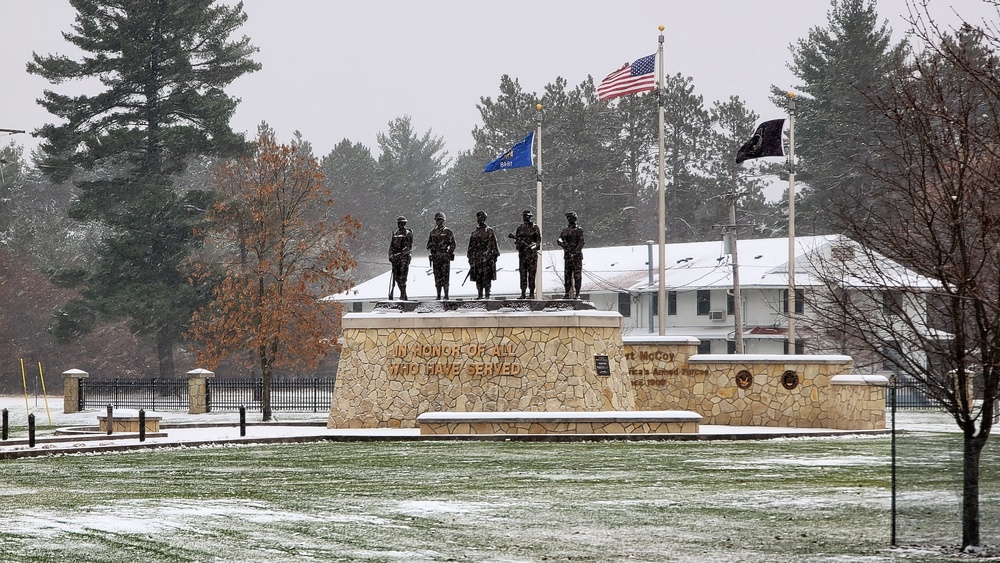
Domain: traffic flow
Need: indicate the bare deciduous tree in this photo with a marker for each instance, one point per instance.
(930, 209)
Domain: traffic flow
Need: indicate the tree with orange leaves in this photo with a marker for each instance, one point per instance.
(281, 255)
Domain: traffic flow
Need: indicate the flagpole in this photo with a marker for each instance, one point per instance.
(539, 265)
(791, 223)
(661, 291)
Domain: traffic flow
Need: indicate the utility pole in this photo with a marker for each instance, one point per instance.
(730, 241)
(729, 234)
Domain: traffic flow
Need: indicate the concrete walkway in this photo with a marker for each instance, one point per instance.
(78, 440)
(77, 433)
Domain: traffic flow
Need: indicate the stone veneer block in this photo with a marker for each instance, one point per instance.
(608, 422)
(127, 423)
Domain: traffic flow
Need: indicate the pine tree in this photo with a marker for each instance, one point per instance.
(734, 124)
(350, 169)
(635, 118)
(163, 65)
(686, 135)
(410, 167)
(503, 194)
(841, 67)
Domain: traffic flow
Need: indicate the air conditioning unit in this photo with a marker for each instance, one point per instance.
(717, 315)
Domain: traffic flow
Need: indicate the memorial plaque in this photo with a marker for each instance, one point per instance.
(744, 379)
(789, 380)
(603, 365)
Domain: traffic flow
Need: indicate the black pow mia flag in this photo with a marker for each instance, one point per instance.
(766, 141)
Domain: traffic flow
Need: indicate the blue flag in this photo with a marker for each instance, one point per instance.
(518, 156)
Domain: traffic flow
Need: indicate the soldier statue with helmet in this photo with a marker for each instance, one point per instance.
(441, 245)
(482, 254)
(400, 246)
(527, 240)
(571, 241)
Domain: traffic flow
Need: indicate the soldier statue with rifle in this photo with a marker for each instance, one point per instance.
(441, 245)
(527, 239)
(400, 246)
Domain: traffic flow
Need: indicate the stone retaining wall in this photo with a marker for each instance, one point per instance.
(799, 391)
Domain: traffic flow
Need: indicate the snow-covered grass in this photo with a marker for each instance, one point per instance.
(801, 499)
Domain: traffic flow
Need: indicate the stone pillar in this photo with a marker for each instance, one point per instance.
(71, 390)
(198, 390)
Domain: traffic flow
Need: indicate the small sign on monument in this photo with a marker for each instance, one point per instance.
(603, 365)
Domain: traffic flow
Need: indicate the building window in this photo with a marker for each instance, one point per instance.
(705, 347)
(730, 304)
(800, 301)
(356, 307)
(892, 357)
(704, 301)
(625, 304)
(892, 302)
(800, 346)
(671, 303)
(730, 346)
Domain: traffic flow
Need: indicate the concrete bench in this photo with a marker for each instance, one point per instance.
(128, 422)
(522, 422)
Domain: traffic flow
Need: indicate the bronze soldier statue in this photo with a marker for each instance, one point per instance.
(571, 241)
(527, 239)
(483, 253)
(441, 244)
(400, 246)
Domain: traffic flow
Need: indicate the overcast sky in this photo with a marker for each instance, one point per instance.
(336, 70)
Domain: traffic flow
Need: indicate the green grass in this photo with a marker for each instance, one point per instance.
(803, 499)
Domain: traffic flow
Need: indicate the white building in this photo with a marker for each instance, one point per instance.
(698, 280)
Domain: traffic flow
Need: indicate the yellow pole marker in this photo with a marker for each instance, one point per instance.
(44, 394)
(24, 384)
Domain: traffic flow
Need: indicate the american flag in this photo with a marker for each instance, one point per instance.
(629, 79)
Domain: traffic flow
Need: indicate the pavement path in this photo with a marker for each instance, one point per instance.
(60, 433)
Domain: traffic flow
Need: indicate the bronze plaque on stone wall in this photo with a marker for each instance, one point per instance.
(603, 365)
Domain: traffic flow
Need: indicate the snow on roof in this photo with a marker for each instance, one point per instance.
(617, 269)
(770, 358)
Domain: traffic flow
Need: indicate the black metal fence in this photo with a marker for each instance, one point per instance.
(287, 394)
(151, 394)
(909, 395)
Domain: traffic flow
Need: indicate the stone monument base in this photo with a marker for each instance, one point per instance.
(406, 358)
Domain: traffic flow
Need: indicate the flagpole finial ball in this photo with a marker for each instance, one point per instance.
(661, 28)
(538, 107)
(791, 94)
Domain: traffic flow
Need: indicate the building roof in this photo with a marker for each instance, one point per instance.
(618, 269)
